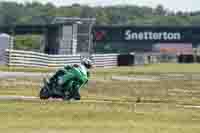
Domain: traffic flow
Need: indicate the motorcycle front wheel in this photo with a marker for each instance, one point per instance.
(44, 93)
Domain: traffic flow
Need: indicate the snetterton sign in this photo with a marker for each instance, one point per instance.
(147, 34)
(130, 35)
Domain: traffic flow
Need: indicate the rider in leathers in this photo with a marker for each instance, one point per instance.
(73, 78)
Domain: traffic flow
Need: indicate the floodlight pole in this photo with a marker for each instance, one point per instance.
(90, 36)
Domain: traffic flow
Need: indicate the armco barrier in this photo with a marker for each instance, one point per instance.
(35, 59)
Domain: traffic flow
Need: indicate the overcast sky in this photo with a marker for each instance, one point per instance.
(175, 5)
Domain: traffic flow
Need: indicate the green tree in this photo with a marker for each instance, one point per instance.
(159, 10)
(36, 13)
(27, 42)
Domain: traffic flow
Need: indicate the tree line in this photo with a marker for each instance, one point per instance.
(12, 13)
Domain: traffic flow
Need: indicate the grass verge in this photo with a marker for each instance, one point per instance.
(61, 117)
(151, 68)
(155, 111)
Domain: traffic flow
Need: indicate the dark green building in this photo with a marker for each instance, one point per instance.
(125, 39)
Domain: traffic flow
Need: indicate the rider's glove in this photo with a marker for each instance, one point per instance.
(68, 67)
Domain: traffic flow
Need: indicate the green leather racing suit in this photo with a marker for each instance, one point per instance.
(72, 79)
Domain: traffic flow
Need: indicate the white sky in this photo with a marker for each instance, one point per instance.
(175, 5)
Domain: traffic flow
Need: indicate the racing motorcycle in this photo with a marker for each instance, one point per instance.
(73, 79)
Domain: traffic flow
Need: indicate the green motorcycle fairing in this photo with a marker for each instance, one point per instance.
(77, 76)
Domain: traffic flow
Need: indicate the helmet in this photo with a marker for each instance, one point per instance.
(87, 63)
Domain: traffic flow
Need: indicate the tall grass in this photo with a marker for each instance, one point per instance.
(144, 106)
(62, 117)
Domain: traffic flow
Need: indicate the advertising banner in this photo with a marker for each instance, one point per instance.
(146, 34)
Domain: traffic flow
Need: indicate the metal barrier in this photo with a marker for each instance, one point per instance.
(35, 59)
